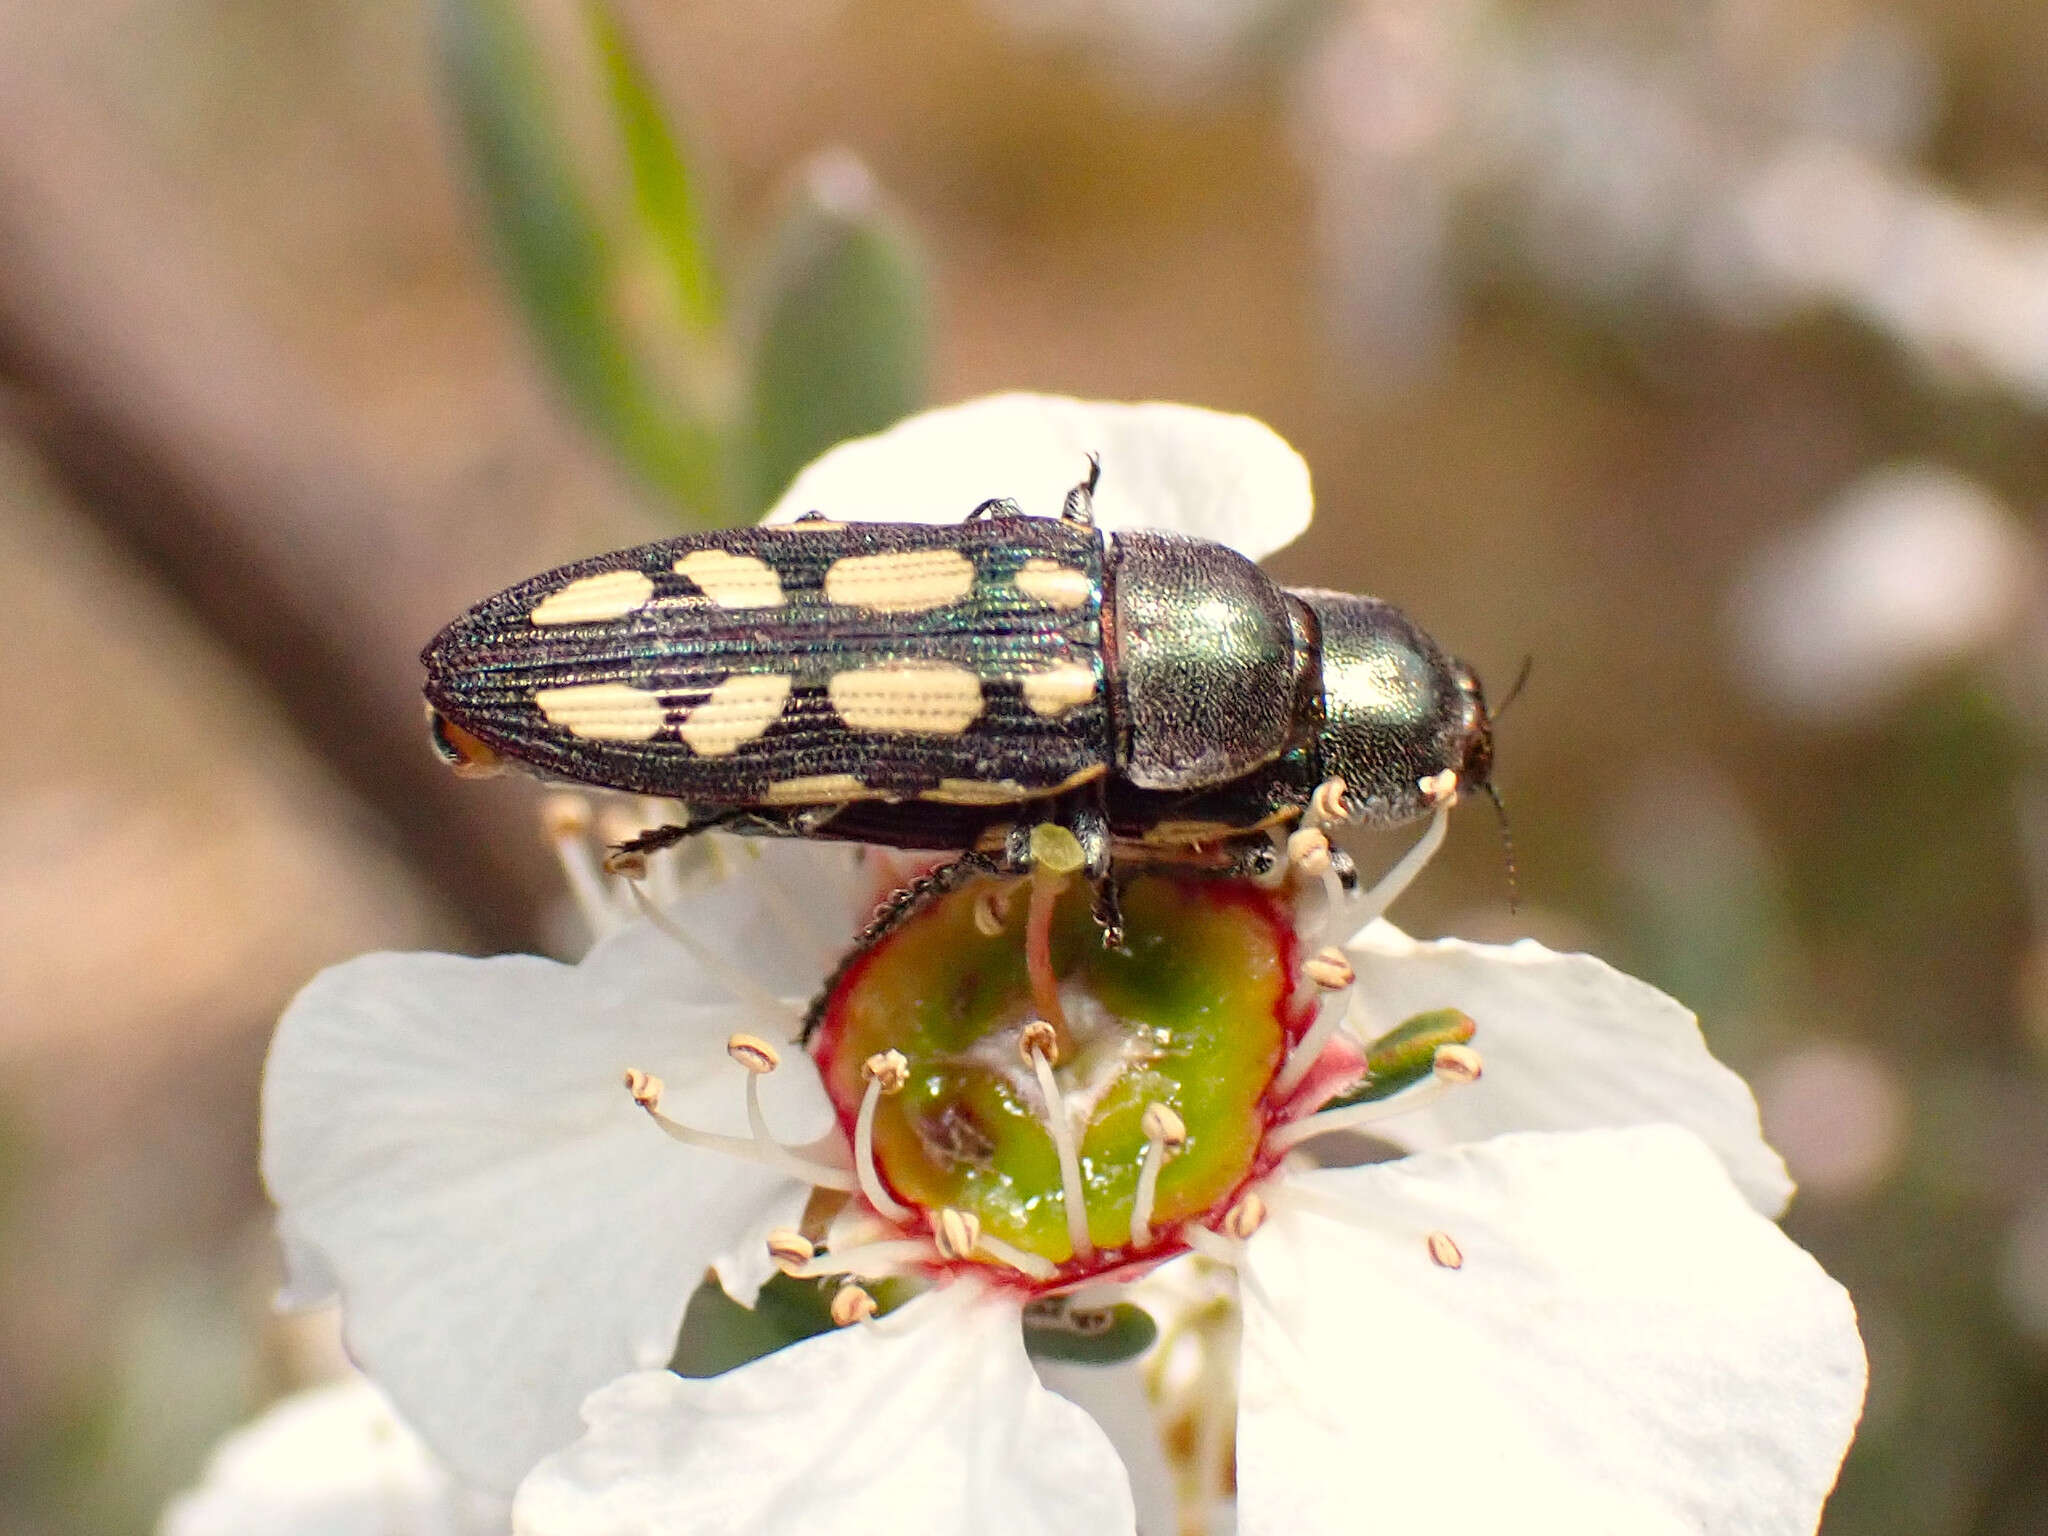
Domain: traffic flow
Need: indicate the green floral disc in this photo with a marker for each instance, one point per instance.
(1194, 1012)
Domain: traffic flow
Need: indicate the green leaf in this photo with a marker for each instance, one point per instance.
(665, 192)
(598, 223)
(1055, 1330)
(720, 1335)
(842, 327)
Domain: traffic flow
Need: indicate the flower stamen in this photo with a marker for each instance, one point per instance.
(955, 1233)
(886, 1072)
(566, 820)
(1444, 1250)
(1047, 882)
(761, 1147)
(891, 1256)
(1030, 1265)
(1374, 903)
(1213, 1246)
(1453, 1066)
(1333, 976)
(1060, 1127)
(1165, 1134)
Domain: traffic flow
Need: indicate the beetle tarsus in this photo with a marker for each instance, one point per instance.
(654, 840)
(995, 506)
(1345, 868)
(1109, 910)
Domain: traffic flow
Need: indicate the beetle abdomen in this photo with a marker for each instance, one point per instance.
(805, 664)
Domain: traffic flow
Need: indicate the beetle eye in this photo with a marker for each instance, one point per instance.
(470, 756)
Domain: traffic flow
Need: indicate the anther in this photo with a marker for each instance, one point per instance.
(565, 814)
(850, 1305)
(1439, 788)
(626, 863)
(1161, 1124)
(1165, 1134)
(1041, 1037)
(1457, 1064)
(992, 909)
(1329, 969)
(790, 1250)
(645, 1088)
(1245, 1217)
(1308, 850)
(887, 1070)
(753, 1053)
(1328, 804)
(955, 1233)
(1445, 1250)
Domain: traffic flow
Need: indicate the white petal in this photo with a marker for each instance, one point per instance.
(781, 910)
(1177, 467)
(928, 1420)
(507, 1229)
(335, 1461)
(1569, 1043)
(1628, 1350)
(1115, 1398)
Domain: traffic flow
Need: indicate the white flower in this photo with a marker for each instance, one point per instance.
(330, 1461)
(1561, 1306)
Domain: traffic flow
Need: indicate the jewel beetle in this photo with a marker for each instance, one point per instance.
(951, 687)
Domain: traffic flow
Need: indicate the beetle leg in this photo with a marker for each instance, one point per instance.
(1109, 909)
(655, 839)
(1079, 506)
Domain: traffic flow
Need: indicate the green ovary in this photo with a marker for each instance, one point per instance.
(1189, 1014)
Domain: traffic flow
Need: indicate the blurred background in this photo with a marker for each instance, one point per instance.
(1697, 348)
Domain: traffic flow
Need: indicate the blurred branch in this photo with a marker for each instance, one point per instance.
(190, 434)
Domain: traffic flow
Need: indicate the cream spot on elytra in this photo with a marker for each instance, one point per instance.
(1059, 689)
(592, 599)
(732, 581)
(739, 710)
(1058, 586)
(603, 711)
(937, 700)
(901, 581)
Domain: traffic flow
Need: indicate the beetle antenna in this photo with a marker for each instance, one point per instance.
(1507, 837)
(1515, 690)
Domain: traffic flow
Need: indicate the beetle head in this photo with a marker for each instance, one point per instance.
(1396, 710)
